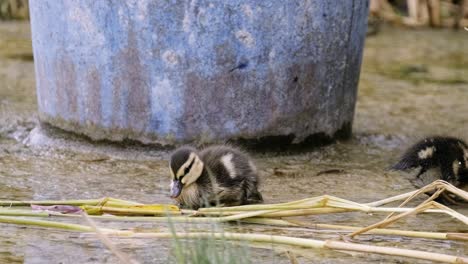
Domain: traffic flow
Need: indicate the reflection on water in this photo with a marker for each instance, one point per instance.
(407, 91)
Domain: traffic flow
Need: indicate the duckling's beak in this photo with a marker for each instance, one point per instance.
(176, 188)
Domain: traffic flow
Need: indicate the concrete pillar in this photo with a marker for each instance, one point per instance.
(196, 70)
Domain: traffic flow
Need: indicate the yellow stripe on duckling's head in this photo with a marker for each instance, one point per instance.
(190, 170)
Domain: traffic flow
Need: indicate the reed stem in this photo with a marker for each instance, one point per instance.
(311, 243)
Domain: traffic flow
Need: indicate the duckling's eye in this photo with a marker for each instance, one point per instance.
(186, 171)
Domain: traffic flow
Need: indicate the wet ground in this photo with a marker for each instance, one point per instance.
(413, 83)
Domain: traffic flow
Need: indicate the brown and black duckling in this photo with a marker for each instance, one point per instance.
(216, 175)
(447, 154)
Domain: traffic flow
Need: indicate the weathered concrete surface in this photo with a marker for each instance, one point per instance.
(175, 71)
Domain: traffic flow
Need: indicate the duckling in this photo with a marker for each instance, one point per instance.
(216, 175)
(447, 153)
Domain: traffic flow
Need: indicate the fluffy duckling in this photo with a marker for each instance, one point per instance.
(447, 153)
(217, 175)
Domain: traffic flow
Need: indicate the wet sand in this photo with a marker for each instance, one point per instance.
(413, 84)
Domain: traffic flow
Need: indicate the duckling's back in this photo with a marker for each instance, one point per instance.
(234, 173)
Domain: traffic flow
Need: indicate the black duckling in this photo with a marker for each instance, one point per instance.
(447, 153)
(217, 175)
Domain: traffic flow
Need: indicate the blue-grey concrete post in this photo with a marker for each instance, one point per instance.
(181, 70)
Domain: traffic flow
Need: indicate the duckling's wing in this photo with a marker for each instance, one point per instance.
(227, 165)
(234, 172)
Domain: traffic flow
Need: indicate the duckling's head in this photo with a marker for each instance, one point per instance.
(185, 166)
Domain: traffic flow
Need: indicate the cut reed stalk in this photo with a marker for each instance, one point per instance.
(451, 212)
(419, 209)
(430, 187)
(103, 201)
(51, 202)
(261, 214)
(128, 211)
(120, 201)
(315, 202)
(304, 203)
(178, 219)
(45, 224)
(392, 219)
(311, 243)
(326, 210)
(22, 212)
(335, 245)
(391, 199)
(424, 255)
(278, 222)
(407, 233)
(125, 211)
(431, 198)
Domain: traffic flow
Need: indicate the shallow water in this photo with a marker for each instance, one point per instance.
(413, 83)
